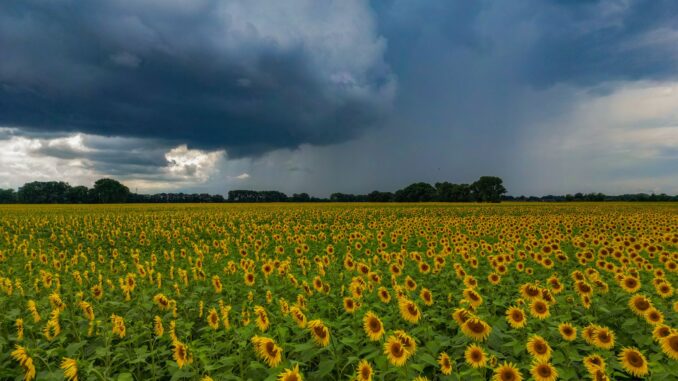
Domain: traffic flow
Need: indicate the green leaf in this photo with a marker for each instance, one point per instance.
(125, 377)
(325, 367)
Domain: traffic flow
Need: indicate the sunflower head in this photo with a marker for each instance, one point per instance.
(507, 372)
(633, 362)
(445, 363)
(475, 356)
(515, 316)
(539, 348)
(543, 371)
(669, 345)
(567, 331)
(374, 329)
(364, 371)
(395, 351)
(476, 329)
(292, 374)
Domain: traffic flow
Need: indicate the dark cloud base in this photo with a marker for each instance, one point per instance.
(73, 68)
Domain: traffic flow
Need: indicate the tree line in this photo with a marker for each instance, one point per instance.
(105, 191)
(485, 189)
(581, 197)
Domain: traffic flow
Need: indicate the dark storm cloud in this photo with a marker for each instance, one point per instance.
(172, 71)
(559, 41)
(590, 42)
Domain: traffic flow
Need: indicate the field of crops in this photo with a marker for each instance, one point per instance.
(337, 292)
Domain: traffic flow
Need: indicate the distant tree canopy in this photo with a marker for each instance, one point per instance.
(254, 196)
(49, 192)
(8, 196)
(485, 189)
(488, 189)
(109, 191)
(104, 191)
(417, 192)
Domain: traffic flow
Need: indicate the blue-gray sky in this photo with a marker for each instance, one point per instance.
(553, 96)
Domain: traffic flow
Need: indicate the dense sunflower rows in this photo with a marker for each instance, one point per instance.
(336, 292)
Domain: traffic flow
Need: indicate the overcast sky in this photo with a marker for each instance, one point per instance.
(553, 96)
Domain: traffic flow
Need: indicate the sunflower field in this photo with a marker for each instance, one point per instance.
(295, 292)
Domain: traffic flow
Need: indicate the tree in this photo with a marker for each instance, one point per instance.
(417, 192)
(8, 196)
(109, 191)
(300, 197)
(376, 196)
(78, 195)
(488, 189)
(449, 192)
(44, 192)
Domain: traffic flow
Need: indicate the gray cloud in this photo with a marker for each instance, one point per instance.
(249, 77)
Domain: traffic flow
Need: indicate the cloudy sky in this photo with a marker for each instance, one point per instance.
(553, 96)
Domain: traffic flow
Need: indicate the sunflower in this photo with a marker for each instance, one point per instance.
(543, 371)
(589, 333)
(426, 296)
(407, 341)
(261, 319)
(410, 284)
(33, 309)
(267, 350)
(19, 324)
(97, 291)
(180, 353)
(87, 310)
(539, 309)
(70, 368)
(158, 329)
(213, 319)
(639, 304)
(291, 374)
(395, 351)
(409, 310)
(374, 329)
(654, 316)
(539, 348)
(475, 356)
(476, 329)
(21, 356)
(445, 363)
(460, 315)
(216, 283)
(660, 331)
(507, 372)
(630, 284)
(118, 325)
(567, 331)
(530, 291)
(249, 279)
(320, 332)
(604, 338)
(298, 316)
(384, 295)
(364, 371)
(664, 290)
(594, 362)
(633, 362)
(494, 278)
(669, 345)
(162, 301)
(350, 305)
(583, 288)
(473, 298)
(516, 317)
